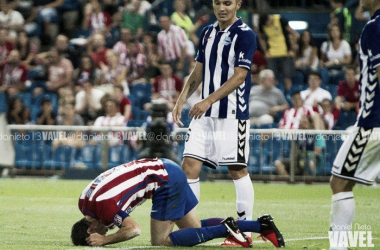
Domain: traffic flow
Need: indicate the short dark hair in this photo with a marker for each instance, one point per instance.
(315, 73)
(79, 232)
(296, 93)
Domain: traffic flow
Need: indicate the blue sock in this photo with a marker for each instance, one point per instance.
(249, 226)
(244, 225)
(193, 236)
(211, 222)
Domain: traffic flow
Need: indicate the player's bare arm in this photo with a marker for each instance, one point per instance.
(232, 84)
(129, 229)
(190, 87)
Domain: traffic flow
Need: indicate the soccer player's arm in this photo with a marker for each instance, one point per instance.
(244, 50)
(192, 83)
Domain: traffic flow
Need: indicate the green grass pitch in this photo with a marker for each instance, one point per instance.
(39, 213)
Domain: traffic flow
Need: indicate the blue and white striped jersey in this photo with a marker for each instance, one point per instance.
(221, 51)
(369, 114)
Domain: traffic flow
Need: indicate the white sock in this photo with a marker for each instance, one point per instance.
(195, 187)
(342, 211)
(244, 197)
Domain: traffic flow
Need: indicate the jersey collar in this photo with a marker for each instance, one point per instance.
(377, 13)
(231, 27)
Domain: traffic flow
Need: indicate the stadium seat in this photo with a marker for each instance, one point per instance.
(87, 156)
(29, 157)
(26, 98)
(345, 119)
(333, 89)
(116, 156)
(254, 161)
(3, 103)
(63, 157)
(140, 94)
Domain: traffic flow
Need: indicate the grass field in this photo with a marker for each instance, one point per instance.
(39, 213)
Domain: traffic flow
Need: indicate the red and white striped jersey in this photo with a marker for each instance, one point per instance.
(291, 118)
(171, 43)
(122, 188)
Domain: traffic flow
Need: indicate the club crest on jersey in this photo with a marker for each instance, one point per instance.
(227, 41)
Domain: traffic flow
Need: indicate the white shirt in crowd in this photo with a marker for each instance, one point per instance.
(332, 54)
(117, 121)
(80, 99)
(170, 43)
(319, 94)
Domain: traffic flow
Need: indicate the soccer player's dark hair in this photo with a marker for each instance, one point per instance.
(79, 232)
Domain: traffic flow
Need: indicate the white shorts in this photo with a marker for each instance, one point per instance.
(217, 141)
(359, 157)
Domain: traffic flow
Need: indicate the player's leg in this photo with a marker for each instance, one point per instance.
(192, 167)
(357, 161)
(198, 151)
(159, 232)
(233, 152)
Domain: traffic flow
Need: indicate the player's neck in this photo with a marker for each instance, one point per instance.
(224, 25)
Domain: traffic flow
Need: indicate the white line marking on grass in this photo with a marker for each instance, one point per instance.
(289, 240)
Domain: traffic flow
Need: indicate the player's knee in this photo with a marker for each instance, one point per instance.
(339, 185)
(161, 242)
(237, 172)
(191, 167)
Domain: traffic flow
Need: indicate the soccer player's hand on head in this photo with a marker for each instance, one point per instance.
(95, 239)
(199, 109)
(177, 113)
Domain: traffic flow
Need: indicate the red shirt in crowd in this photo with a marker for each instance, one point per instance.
(11, 75)
(125, 101)
(5, 50)
(167, 88)
(349, 94)
(99, 56)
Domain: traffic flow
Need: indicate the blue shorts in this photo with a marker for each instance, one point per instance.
(174, 200)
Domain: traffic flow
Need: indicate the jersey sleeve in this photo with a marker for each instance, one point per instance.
(245, 48)
(201, 47)
(371, 44)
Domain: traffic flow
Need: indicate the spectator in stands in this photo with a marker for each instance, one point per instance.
(46, 116)
(87, 102)
(259, 63)
(121, 46)
(143, 6)
(45, 12)
(86, 72)
(28, 50)
(335, 54)
(266, 100)
(114, 74)
(13, 74)
(307, 55)
(327, 114)
(66, 50)
(112, 118)
(152, 56)
(291, 119)
(95, 18)
(69, 118)
(60, 71)
(5, 45)
(348, 91)
(181, 19)
(167, 86)
(133, 20)
(98, 50)
(125, 105)
(172, 44)
(314, 94)
(309, 153)
(17, 113)
(135, 62)
(274, 41)
(10, 19)
(66, 95)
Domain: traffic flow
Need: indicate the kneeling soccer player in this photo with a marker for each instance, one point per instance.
(113, 195)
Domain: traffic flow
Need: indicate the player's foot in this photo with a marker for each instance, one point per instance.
(235, 238)
(269, 231)
(230, 243)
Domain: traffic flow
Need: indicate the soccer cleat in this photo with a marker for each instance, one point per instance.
(269, 231)
(230, 243)
(235, 237)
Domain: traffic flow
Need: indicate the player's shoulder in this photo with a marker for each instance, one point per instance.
(372, 26)
(243, 28)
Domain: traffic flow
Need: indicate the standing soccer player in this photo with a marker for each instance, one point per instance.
(223, 64)
(358, 159)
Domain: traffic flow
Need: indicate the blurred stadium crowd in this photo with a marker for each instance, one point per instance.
(70, 62)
